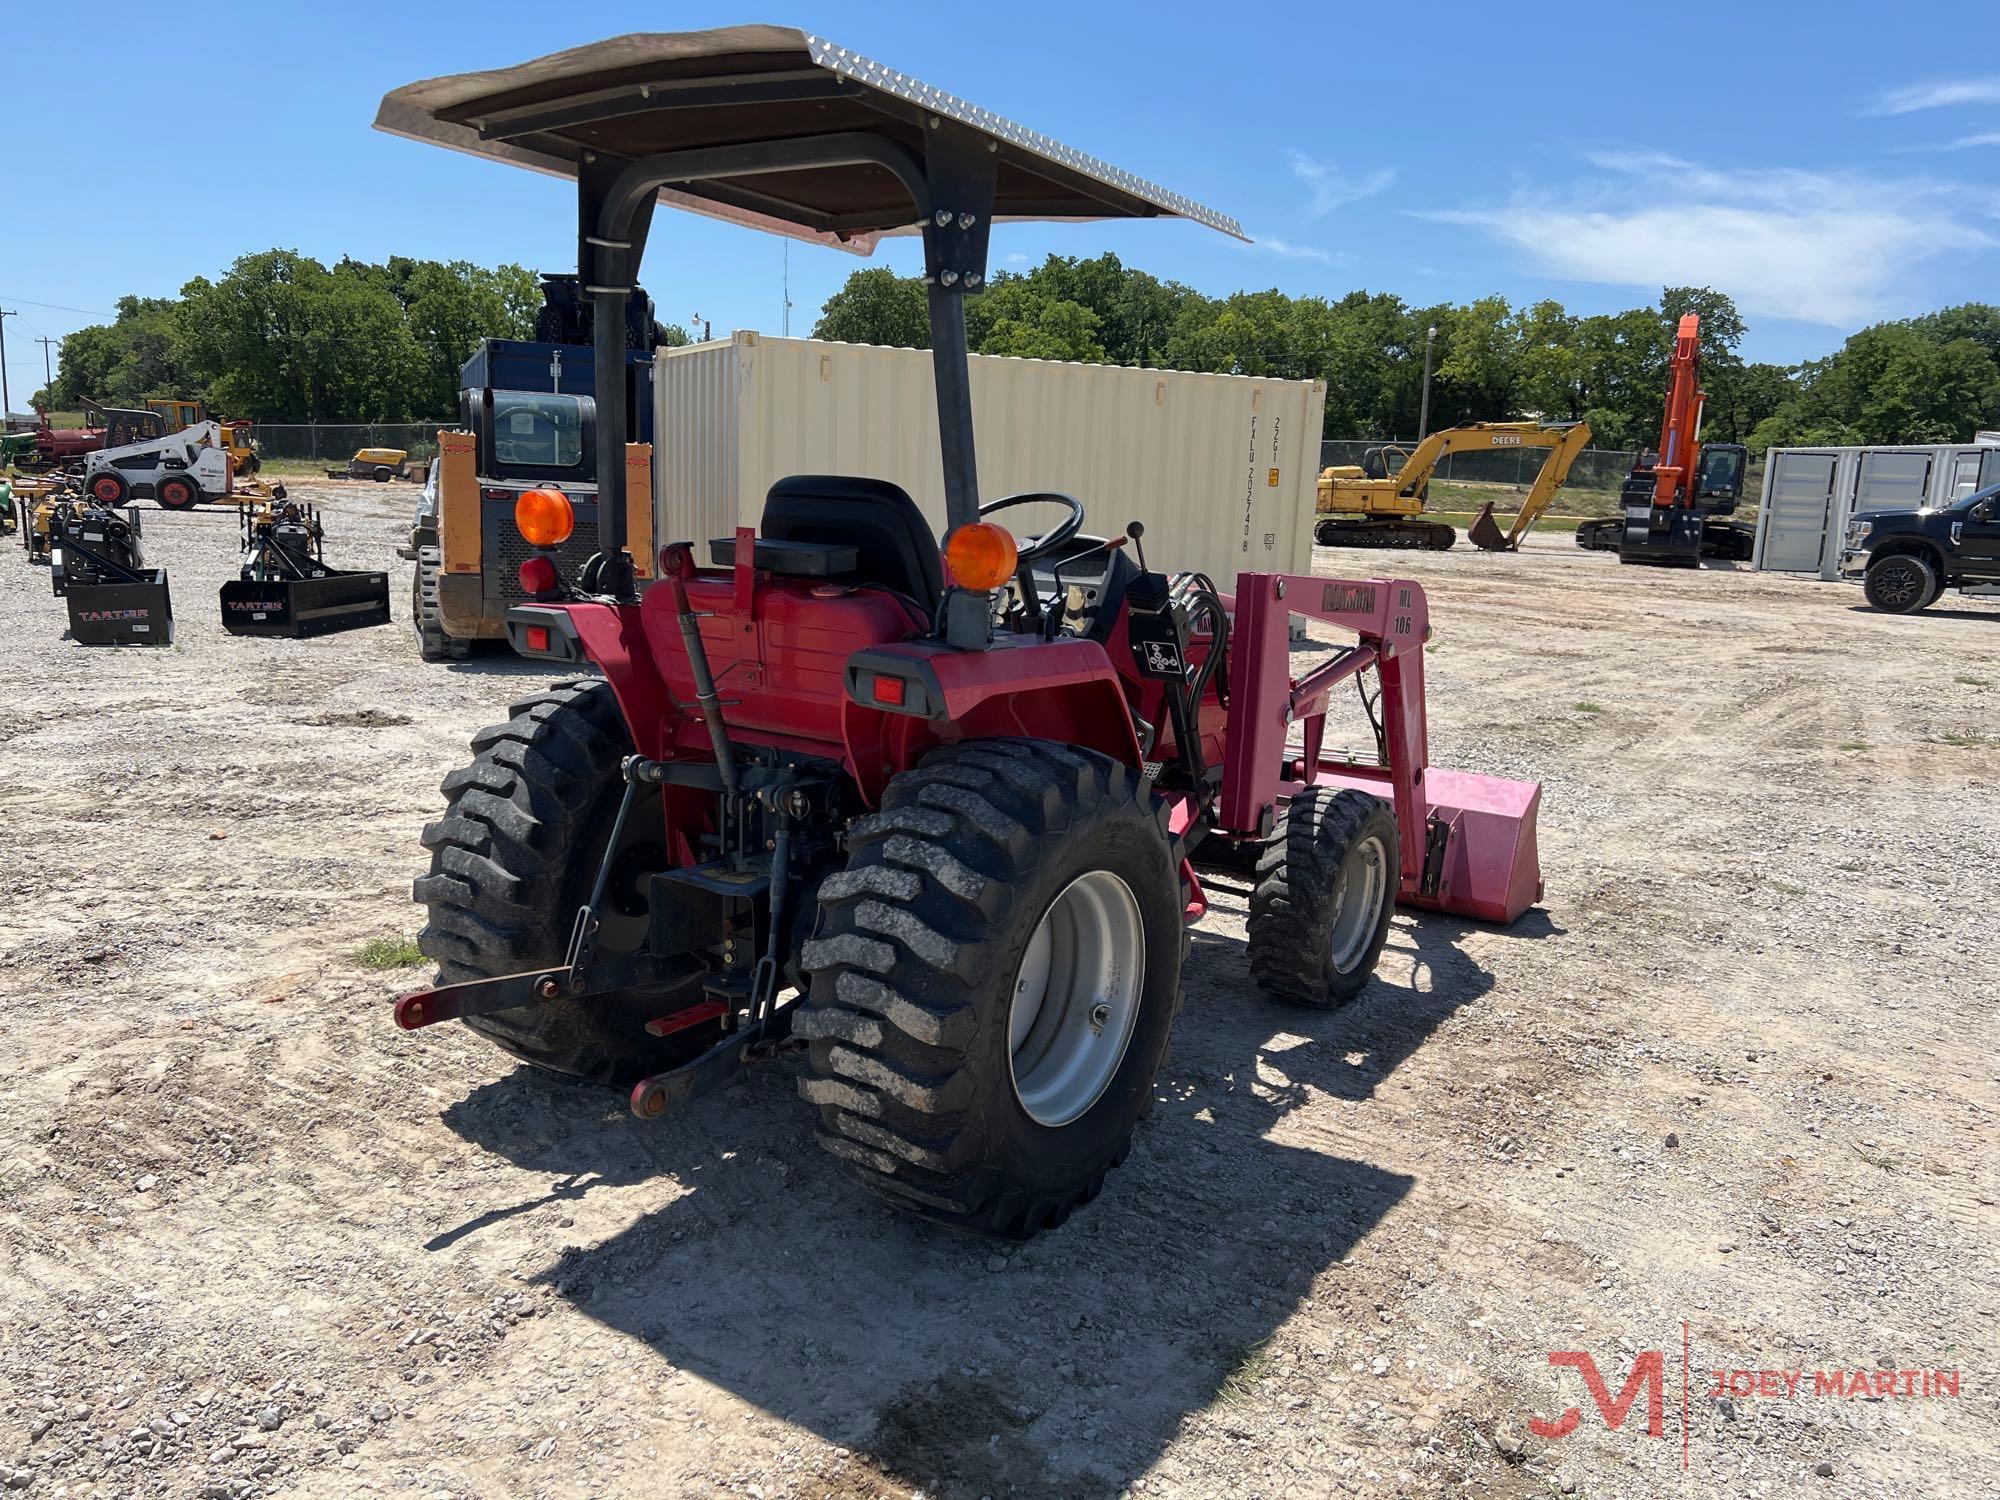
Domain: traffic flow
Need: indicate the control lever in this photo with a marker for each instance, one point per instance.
(1135, 530)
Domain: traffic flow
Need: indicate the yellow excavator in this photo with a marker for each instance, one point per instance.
(1380, 502)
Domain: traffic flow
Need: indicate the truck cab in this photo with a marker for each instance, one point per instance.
(1906, 559)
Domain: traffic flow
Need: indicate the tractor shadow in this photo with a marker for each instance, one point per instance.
(969, 1367)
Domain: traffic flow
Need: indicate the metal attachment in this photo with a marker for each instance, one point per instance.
(949, 278)
(973, 278)
(966, 221)
(944, 214)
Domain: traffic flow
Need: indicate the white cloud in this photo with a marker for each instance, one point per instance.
(1328, 187)
(1938, 95)
(1967, 142)
(1822, 247)
(1271, 244)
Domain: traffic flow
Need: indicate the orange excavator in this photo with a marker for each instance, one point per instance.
(1675, 498)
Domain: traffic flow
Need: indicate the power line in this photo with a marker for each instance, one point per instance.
(88, 312)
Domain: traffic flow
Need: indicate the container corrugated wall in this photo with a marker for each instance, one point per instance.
(1221, 468)
(694, 481)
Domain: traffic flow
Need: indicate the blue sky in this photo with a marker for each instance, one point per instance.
(1835, 164)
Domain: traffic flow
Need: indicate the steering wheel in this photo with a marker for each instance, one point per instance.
(1035, 548)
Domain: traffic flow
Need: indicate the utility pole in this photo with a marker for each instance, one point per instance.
(1424, 412)
(5, 400)
(48, 376)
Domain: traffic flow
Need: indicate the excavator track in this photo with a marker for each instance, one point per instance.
(1424, 536)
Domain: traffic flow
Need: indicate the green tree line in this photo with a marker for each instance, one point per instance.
(283, 338)
(1928, 379)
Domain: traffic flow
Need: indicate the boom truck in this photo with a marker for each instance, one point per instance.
(931, 817)
(1674, 502)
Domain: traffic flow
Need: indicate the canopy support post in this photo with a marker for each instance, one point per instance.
(962, 171)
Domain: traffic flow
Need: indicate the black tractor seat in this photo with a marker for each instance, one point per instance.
(840, 528)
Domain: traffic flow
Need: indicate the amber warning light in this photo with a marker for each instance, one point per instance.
(981, 556)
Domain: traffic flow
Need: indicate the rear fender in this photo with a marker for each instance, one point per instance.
(1066, 691)
(609, 638)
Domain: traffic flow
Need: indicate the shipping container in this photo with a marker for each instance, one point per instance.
(1809, 494)
(1222, 469)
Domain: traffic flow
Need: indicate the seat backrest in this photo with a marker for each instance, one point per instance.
(895, 544)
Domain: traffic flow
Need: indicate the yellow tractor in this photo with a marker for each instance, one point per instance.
(181, 415)
(1380, 502)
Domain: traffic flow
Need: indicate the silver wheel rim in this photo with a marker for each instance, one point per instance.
(1076, 998)
(1357, 902)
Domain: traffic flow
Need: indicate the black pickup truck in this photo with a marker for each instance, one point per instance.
(1906, 558)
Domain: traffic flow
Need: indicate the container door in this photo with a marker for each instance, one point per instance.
(1891, 481)
(1964, 476)
(1798, 508)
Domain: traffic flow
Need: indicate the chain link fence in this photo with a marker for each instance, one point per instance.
(336, 442)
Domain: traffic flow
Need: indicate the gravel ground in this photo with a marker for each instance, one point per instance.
(1736, 1076)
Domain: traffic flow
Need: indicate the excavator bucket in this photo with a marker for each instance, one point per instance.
(1486, 533)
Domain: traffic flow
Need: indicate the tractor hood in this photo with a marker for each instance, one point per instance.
(655, 92)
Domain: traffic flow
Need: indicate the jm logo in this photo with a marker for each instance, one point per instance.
(1648, 1374)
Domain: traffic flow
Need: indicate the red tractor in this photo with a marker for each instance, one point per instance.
(934, 820)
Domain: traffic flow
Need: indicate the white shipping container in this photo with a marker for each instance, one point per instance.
(1222, 469)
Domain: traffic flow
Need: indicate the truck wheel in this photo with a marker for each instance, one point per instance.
(108, 488)
(1326, 888)
(383, 474)
(513, 858)
(992, 984)
(426, 618)
(1900, 584)
(177, 492)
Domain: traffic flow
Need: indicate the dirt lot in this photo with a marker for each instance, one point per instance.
(1737, 1075)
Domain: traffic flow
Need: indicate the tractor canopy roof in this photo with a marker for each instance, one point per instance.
(651, 93)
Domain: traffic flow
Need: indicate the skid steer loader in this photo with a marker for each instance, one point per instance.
(933, 821)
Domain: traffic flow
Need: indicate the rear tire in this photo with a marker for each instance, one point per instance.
(1326, 889)
(514, 857)
(426, 617)
(1901, 584)
(383, 474)
(177, 492)
(973, 1062)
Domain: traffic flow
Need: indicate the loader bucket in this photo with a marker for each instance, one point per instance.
(1486, 533)
(122, 614)
(300, 607)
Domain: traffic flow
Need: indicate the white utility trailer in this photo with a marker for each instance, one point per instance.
(1809, 494)
(1222, 469)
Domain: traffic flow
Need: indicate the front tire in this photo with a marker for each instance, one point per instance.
(109, 488)
(177, 492)
(512, 860)
(1901, 584)
(993, 982)
(1326, 889)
